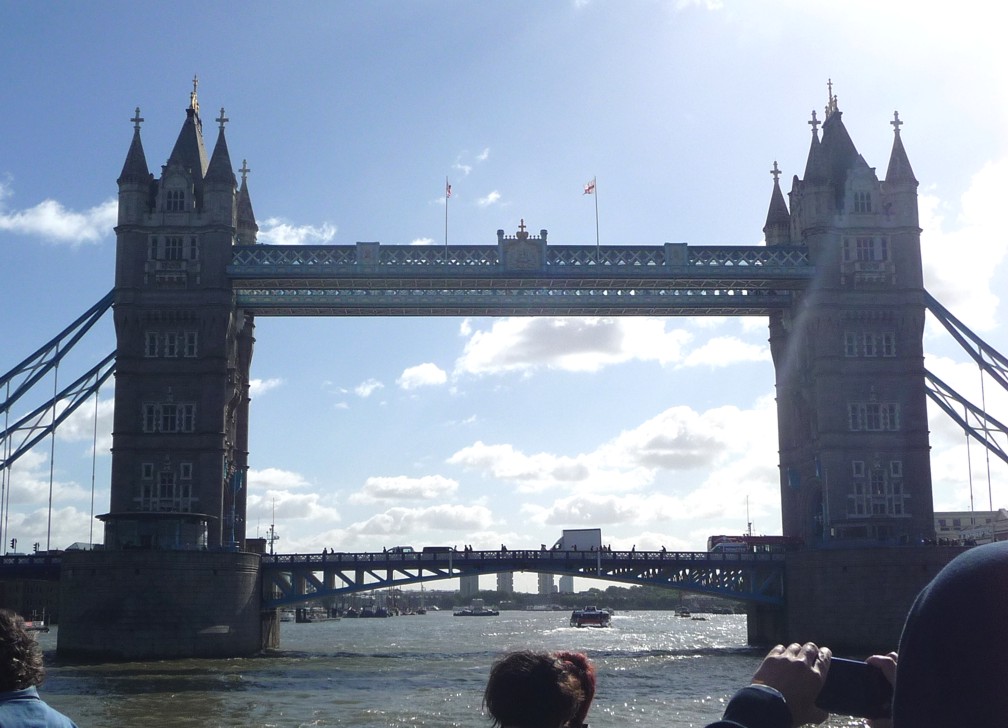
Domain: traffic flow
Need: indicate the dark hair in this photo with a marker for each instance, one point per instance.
(532, 690)
(20, 657)
(579, 664)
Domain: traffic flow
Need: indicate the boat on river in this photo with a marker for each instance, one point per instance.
(476, 609)
(590, 616)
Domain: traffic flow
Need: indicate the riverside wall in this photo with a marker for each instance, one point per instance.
(142, 605)
(853, 600)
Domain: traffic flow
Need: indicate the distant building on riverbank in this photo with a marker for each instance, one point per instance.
(971, 526)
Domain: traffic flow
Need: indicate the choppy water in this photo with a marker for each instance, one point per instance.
(655, 669)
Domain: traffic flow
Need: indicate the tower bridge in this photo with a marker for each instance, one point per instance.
(839, 278)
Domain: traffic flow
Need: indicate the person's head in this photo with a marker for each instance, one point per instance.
(951, 669)
(20, 657)
(578, 663)
(533, 690)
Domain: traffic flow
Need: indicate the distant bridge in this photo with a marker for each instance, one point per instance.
(291, 579)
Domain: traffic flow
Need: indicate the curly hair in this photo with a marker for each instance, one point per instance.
(20, 657)
(532, 690)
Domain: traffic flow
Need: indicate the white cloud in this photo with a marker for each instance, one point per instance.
(275, 479)
(80, 426)
(568, 344)
(261, 386)
(368, 387)
(951, 250)
(726, 350)
(490, 199)
(584, 344)
(422, 241)
(428, 487)
(54, 223)
(405, 521)
(484, 155)
(678, 441)
(275, 231)
(422, 375)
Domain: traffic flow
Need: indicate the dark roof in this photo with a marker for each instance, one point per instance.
(899, 164)
(135, 169)
(778, 213)
(220, 169)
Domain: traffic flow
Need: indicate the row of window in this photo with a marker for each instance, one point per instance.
(869, 344)
(166, 496)
(173, 247)
(167, 489)
(873, 416)
(185, 471)
(170, 344)
(169, 417)
(175, 201)
(877, 490)
(865, 249)
(862, 202)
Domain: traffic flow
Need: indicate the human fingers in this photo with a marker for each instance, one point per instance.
(887, 664)
(810, 653)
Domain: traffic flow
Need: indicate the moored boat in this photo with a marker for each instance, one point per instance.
(590, 616)
(476, 609)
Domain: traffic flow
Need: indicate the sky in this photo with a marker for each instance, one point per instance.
(373, 432)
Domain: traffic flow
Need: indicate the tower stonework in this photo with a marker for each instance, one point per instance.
(174, 578)
(183, 350)
(848, 355)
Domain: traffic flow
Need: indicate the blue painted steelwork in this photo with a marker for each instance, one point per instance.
(40, 363)
(300, 578)
(974, 420)
(369, 279)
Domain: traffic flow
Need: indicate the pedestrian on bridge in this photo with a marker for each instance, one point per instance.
(20, 672)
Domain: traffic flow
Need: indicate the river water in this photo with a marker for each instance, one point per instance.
(654, 669)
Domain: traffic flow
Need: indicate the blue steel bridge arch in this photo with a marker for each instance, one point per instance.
(294, 579)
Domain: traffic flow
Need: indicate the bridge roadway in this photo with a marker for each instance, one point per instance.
(291, 579)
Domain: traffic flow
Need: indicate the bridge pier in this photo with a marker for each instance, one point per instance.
(851, 599)
(141, 605)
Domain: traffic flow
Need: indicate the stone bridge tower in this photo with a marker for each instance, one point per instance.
(179, 454)
(851, 401)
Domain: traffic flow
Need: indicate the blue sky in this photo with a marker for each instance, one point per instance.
(373, 432)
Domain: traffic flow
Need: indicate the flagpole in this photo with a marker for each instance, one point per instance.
(597, 251)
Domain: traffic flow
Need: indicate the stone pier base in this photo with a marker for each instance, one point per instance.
(852, 600)
(142, 605)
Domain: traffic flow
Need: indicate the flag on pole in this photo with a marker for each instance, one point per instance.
(589, 189)
(447, 190)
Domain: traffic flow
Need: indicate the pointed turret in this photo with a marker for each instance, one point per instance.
(135, 180)
(778, 222)
(219, 183)
(219, 169)
(135, 169)
(899, 170)
(182, 177)
(815, 170)
(189, 151)
(247, 227)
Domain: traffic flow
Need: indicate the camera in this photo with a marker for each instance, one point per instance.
(857, 689)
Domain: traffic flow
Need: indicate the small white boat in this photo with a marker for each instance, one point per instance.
(476, 609)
